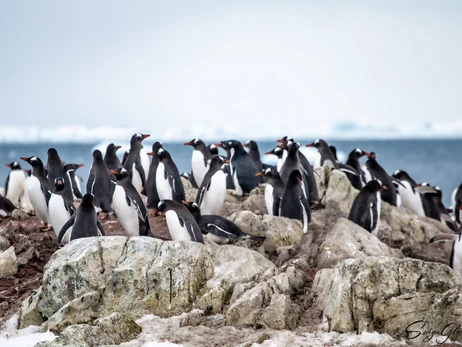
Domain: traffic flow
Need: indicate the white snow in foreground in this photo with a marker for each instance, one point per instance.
(10, 336)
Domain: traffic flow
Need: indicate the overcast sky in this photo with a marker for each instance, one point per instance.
(240, 63)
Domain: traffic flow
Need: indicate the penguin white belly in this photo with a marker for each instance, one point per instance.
(378, 206)
(16, 186)
(367, 174)
(217, 239)
(399, 201)
(177, 232)
(136, 179)
(317, 160)
(126, 215)
(269, 198)
(145, 163)
(215, 196)
(411, 200)
(305, 218)
(57, 213)
(279, 163)
(457, 259)
(163, 187)
(237, 186)
(37, 198)
(198, 166)
(25, 202)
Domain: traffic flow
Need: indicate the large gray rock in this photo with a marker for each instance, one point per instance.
(255, 202)
(94, 277)
(8, 263)
(189, 191)
(348, 240)
(380, 293)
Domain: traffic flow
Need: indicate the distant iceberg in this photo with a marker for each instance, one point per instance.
(334, 131)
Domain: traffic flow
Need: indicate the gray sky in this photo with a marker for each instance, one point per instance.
(234, 63)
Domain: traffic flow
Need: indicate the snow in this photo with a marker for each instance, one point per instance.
(10, 336)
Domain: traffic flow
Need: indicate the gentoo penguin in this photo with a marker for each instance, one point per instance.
(293, 200)
(200, 156)
(84, 222)
(365, 210)
(254, 154)
(168, 180)
(278, 152)
(39, 189)
(410, 197)
(445, 218)
(217, 228)
(378, 172)
(273, 190)
(455, 260)
(430, 207)
(229, 178)
(353, 161)
(129, 206)
(333, 149)
(180, 222)
(150, 188)
(212, 192)
(133, 163)
(55, 169)
(242, 168)
(60, 209)
(99, 184)
(70, 169)
(6, 207)
(111, 159)
(313, 197)
(327, 157)
(213, 149)
(457, 202)
(26, 204)
(15, 183)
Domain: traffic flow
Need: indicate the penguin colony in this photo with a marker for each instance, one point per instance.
(126, 189)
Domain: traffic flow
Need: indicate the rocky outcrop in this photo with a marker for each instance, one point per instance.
(385, 294)
(93, 277)
(8, 263)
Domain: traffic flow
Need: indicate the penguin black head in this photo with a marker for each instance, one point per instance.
(250, 144)
(13, 165)
(213, 149)
(193, 208)
(59, 183)
(195, 143)
(112, 148)
(277, 151)
(374, 186)
(229, 144)
(33, 161)
(87, 200)
(97, 154)
(317, 143)
(371, 155)
(120, 173)
(285, 139)
(135, 141)
(163, 154)
(156, 147)
(72, 167)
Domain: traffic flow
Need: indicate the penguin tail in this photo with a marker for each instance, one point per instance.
(445, 237)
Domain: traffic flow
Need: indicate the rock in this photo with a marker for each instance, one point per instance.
(29, 314)
(348, 240)
(189, 191)
(8, 263)
(93, 277)
(26, 256)
(11, 232)
(4, 243)
(232, 203)
(255, 202)
(20, 215)
(279, 231)
(380, 293)
(111, 330)
(3, 308)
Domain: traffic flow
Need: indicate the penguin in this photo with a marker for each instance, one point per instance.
(410, 197)
(457, 202)
(6, 207)
(150, 188)
(242, 168)
(200, 156)
(134, 164)
(39, 189)
(180, 222)
(111, 159)
(254, 154)
(353, 161)
(168, 180)
(213, 149)
(455, 260)
(60, 209)
(70, 169)
(25, 203)
(217, 228)
(294, 203)
(129, 206)
(15, 184)
(365, 210)
(55, 169)
(273, 190)
(430, 207)
(327, 157)
(445, 218)
(83, 223)
(377, 172)
(279, 153)
(229, 178)
(99, 184)
(313, 195)
(211, 194)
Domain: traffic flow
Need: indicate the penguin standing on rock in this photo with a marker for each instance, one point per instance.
(254, 154)
(60, 209)
(150, 188)
(200, 155)
(378, 172)
(212, 192)
(273, 190)
(99, 184)
(327, 157)
(134, 164)
(180, 222)
(15, 184)
(410, 197)
(55, 169)
(129, 206)
(242, 168)
(83, 223)
(365, 210)
(353, 161)
(294, 203)
(168, 180)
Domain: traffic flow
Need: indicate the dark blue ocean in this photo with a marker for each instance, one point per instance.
(436, 161)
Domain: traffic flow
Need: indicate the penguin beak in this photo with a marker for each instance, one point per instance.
(155, 213)
(8, 165)
(184, 202)
(367, 153)
(218, 144)
(145, 136)
(118, 147)
(280, 141)
(188, 143)
(310, 145)
(23, 158)
(114, 172)
(79, 165)
(384, 188)
(259, 173)
(269, 152)
(151, 153)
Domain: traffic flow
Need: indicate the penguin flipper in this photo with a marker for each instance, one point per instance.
(307, 207)
(445, 237)
(65, 228)
(100, 228)
(190, 229)
(276, 205)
